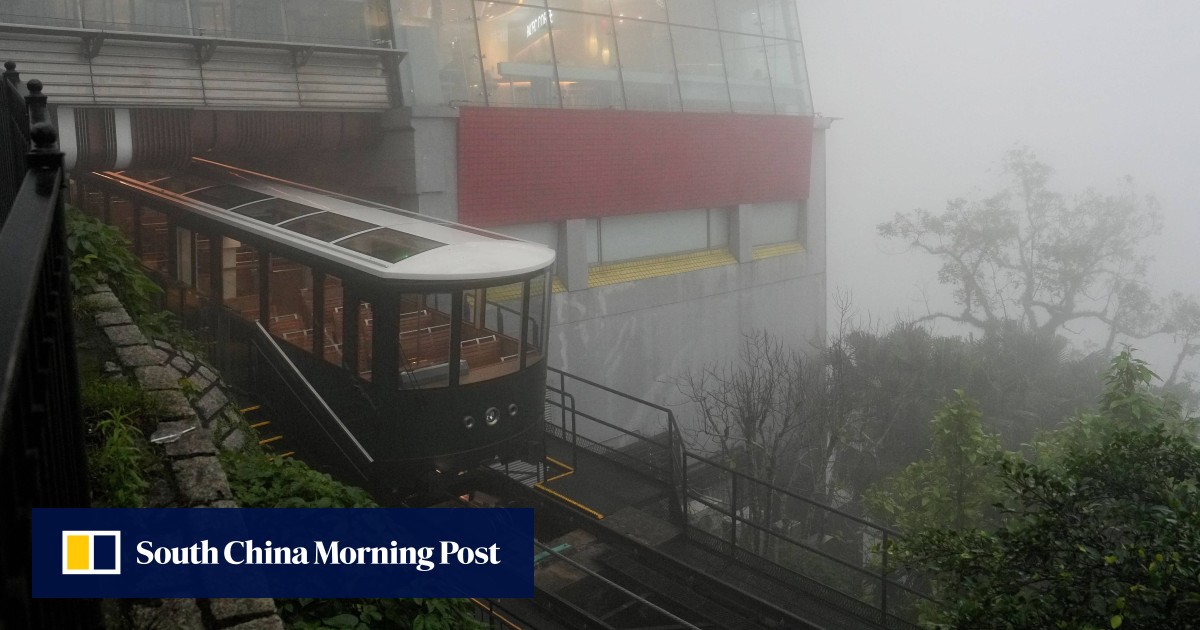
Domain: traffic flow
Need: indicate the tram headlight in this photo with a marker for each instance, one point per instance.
(492, 416)
(469, 422)
(512, 409)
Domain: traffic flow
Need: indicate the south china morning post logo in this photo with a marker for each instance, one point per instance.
(91, 553)
(323, 553)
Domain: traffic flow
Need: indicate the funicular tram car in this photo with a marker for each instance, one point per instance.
(424, 340)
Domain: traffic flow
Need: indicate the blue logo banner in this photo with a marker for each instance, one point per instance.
(322, 553)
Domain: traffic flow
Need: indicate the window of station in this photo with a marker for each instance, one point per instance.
(239, 277)
(152, 240)
(699, 13)
(640, 9)
(41, 12)
(291, 316)
(156, 16)
(518, 64)
(701, 69)
(634, 236)
(749, 78)
(447, 27)
(590, 6)
(585, 47)
(739, 16)
(389, 245)
(777, 222)
(647, 65)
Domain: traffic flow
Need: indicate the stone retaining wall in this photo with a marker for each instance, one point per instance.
(195, 410)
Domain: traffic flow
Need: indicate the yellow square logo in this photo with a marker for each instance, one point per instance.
(91, 553)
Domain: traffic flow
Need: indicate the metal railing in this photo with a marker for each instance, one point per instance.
(42, 461)
(660, 457)
(830, 554)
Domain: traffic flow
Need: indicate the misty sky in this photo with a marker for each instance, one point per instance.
(933, 93)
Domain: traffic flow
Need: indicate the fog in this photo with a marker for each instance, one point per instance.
(933, 93)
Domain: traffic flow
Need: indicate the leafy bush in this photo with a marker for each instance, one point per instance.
(101, 396)
(119, 461)
(258, 482)
(101, 255)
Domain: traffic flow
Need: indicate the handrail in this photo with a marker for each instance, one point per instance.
(296, 374)
(682, 461)
(42, 454)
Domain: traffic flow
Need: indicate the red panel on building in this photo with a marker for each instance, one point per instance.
(527, 165)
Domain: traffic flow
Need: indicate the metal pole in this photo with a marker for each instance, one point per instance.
(883, 571)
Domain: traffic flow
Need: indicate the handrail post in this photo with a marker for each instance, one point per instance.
(883, 572)
(733, 497)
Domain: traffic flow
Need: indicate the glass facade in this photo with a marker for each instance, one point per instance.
(656, 55)
(340, 22)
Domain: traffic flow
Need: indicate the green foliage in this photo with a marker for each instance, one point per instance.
(1106, 536)
(101, 255)
(119, 461)
(955, 485)
(100, 396)
(259, 482)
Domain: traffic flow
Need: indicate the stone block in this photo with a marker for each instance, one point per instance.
(158, 377)
(141, 356)
(100, 301)
(174, 404)
(192, 443)
(128, 335)
(113, 318)
(201, 480)
(179, 614)
(223, 609)
(212, 403)
(266, 623)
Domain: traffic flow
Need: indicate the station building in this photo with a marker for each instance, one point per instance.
(667, 149)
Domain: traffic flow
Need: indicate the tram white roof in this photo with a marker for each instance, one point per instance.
(383, 241)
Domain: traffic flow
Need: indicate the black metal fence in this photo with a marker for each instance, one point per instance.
(798, 541)
(41, 435)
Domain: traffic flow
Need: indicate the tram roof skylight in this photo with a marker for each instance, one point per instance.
(388, 244)
(327, 226)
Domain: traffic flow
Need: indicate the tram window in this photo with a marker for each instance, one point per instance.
(203, 260)
(152, 226)
(291, 315)
(366, 327)
(425, 342)
(535, 322)
(327, 226)
(239, 277)
(492, 348)
(389, 245)
(121, 215)
(185, 263)
(273, 210)
(227, 196)
(333, 320)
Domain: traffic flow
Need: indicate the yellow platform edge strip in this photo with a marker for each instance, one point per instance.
(570, 501)
(615, 273)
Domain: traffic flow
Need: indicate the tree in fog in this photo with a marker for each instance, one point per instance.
(769, 414)
(952, 487)
(1030, 254)
(1103, 531)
